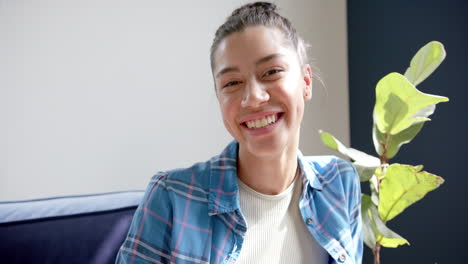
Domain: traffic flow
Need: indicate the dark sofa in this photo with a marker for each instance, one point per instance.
(72, 229)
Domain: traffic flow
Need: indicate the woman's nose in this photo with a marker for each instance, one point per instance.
(255, 94)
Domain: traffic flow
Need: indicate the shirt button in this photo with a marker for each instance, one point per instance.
(309, 221)
(342, 258)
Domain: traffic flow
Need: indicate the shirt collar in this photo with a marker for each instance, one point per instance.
(224, 189)
(309, 171)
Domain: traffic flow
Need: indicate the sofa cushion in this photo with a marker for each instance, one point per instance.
(71, 229)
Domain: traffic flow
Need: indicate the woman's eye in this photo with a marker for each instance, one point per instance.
(271, 72)
(231, 83)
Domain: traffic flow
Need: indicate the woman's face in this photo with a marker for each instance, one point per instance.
(261, 90)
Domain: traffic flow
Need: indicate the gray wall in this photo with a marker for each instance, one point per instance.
(96, 96)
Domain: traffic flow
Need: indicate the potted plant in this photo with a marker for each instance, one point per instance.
(399, 114)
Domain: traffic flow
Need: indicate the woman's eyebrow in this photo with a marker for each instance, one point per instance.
(268, 58)
(258, 62)
(226, 70)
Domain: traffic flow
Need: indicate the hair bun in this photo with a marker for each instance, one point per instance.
(263, 5)
(258, 6)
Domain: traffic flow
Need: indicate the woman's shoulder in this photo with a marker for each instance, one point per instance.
(338, 180)
(171, 189)
(200, 173)
(329, 169)
(181, 179)
(196, 181)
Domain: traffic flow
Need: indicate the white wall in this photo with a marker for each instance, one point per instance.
(97, 96)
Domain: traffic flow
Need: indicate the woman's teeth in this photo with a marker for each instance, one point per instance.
(263, 122)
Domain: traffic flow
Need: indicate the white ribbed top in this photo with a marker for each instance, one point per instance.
(276, 232)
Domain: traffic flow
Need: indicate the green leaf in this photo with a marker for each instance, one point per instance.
(402, 186)
(374, 230)
(426, 60)
(365, 173)
(394, 142)
(373, 184)
(380, 172)
(385, 236)
(360, 158)
(328, 140)
(378, 139)
(369, 235)
(400, 105)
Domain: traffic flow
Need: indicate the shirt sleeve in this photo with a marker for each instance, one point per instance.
(356, 220)
(149, 237)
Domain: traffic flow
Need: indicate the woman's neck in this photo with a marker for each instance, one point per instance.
(268, 175)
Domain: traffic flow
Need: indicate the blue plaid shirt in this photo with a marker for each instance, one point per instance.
(193, 215)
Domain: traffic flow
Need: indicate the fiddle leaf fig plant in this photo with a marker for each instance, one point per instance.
(399, 114)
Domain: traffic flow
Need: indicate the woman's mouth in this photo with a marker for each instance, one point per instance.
(262, 122)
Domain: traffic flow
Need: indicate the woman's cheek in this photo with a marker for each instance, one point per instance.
(227, 108)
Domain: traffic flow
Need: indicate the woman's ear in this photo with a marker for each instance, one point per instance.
(307, 75)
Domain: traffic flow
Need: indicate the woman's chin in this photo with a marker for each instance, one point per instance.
(263, 148)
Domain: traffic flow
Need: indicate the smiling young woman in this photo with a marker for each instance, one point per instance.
(261, 88)
(260, 200)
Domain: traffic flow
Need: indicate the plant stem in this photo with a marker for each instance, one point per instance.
(376, 252)
(383, 157)
(383, 160)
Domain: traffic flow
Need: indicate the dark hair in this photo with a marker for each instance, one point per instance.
(258, 14)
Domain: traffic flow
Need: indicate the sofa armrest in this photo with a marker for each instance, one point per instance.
(70, 229)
